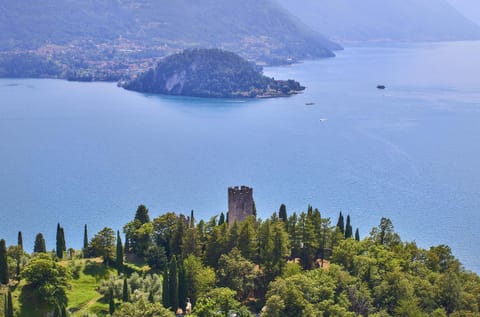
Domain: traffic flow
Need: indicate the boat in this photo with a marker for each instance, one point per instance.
(323, 119)
(381, 87)
(309, 103)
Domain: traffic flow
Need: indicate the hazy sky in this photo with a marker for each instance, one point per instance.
(469, 8)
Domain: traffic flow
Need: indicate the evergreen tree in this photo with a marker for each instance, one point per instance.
(125, 291)
(59, 245)
(340, 223)
(233, 236)
(348, 229)
(165, 290)
(282, 213)
(111, 302)
(357, 235)
(254, 209)
(192, 219)
(142, 214)
(20, 241)
(119, 259)
(62, 236)
(3, 263)
(39, 245)
(182, 287)
(85, 242)
(9, 310)
(247, 239)
(173, 283)
(221, 221)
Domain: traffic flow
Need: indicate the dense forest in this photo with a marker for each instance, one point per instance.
(210, 73)
(293, 265)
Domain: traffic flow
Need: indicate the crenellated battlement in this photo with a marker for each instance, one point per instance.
(240, 203)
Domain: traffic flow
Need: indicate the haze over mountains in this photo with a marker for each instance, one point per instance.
(257, 28)
(380, 20)
(114, 39)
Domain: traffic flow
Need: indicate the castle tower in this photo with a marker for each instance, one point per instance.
(240, 203)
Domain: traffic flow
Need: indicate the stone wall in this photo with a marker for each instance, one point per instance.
(240, 203)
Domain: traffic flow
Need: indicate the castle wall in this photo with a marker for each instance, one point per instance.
(240, 203)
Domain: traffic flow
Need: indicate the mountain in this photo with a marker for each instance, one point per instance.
(87, 35)
(211, 73)
(380, 20)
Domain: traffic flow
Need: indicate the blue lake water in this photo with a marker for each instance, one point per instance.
(79, 153)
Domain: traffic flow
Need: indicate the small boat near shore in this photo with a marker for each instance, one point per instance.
(381, 87)
(309, 103)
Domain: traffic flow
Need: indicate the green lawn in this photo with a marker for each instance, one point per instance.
(82, 296)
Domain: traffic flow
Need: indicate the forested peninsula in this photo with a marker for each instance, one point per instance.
(288, 265)
(211, 73)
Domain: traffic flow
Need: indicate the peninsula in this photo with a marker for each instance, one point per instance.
(211, 73)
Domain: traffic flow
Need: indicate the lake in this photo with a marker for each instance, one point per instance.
(90, 153)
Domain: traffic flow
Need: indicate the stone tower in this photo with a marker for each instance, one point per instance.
(240, 203)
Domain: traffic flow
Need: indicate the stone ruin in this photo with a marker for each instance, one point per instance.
(240, 203)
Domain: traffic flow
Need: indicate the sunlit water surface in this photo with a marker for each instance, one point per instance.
(89, 153)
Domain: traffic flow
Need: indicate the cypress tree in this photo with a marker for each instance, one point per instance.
(254, 209)
(9, 310)
(85, 242)
(5, 309)
(62, 236)
(125, 292)
(192, 219)
(182, 285)
(357, 235)
(64, 312)
(39, 245)
(282, 213)
(3, 263)
(221, 221)
(119, 253)
(340, 224)
(111, 302)
(348, 229)
(59, 245)
(165, 289)
(20, 241)
(173, 283)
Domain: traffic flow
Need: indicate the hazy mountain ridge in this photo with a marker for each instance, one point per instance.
(99, 39)
(377, 20)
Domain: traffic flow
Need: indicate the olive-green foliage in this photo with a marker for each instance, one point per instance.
(198, 278)
(237, 273)
(219, 302)
(103, 244)
(149, 284)
(48, 278)
(142, 308)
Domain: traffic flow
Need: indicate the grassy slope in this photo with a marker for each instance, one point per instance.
(82, 295)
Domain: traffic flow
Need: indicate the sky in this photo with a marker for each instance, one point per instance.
(469, 8)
